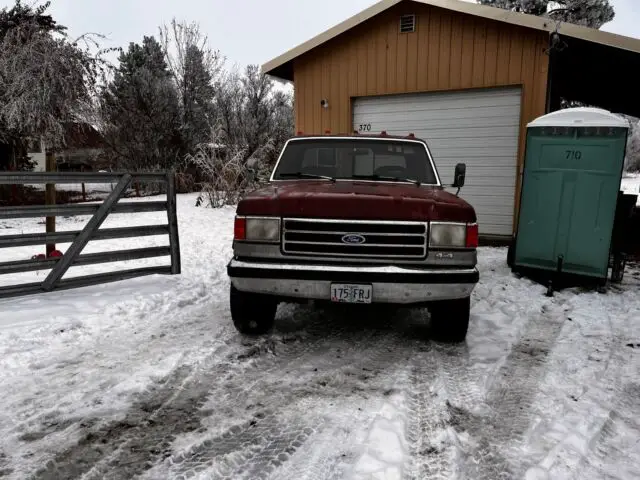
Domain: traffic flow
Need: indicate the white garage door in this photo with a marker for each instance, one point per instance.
(476, 127)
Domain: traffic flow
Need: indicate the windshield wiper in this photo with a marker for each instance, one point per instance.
(306, 175)
(389, 178)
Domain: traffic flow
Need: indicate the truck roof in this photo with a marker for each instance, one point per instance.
(355, 135)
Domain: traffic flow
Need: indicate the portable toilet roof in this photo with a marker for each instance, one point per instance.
(580, 117)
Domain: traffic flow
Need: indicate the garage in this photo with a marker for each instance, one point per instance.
(476, 127)
(467, 78)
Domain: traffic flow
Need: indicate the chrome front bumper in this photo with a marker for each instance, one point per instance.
(390, 283)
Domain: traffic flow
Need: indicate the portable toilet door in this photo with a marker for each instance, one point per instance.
(572, 171)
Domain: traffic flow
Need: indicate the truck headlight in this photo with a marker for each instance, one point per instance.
(448, 235)
(257, 229)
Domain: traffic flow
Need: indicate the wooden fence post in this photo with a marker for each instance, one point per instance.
(172, 216)
(50, 198)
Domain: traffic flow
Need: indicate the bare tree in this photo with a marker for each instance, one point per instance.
(46, 78)
(229, 103)
(632, 160)
(225, 177)
(590, 13)
(195, 67)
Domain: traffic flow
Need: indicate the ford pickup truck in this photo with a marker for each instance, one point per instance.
(355, 219)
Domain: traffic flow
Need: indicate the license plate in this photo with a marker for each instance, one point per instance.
(350, 293)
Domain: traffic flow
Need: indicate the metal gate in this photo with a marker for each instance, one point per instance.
(91, 231)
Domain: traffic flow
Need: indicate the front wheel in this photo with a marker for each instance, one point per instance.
(252, 313)
(450, 319)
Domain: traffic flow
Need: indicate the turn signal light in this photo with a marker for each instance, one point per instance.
(240, 228)
(472, 235)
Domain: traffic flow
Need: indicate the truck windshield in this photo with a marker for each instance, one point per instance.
(356, 159)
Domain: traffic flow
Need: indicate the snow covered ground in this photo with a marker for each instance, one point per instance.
(148, 379)
(631, 184)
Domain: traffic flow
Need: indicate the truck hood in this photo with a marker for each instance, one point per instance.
(356, 200)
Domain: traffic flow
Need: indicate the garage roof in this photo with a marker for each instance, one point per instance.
(282, 66)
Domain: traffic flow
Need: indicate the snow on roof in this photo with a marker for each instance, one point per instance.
(580, 117)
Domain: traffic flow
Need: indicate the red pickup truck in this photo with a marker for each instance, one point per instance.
(355, 219)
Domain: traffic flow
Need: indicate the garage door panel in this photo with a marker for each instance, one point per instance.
(496, 161)
(477, 177)
(476, 167)
(383, 118)
(474, 180)
(478, 170)
(443, 101)
(492, 229)
(490, 217)
(475, 173)
(492, 202)
(460, 153)
(495, 221)
(436, 127)
(477, 127)
(505, 212)
(473, 142)
(472, 131)
(446, 111)
(473, 191)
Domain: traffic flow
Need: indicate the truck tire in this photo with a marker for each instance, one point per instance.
(252, 313)
(450, 320)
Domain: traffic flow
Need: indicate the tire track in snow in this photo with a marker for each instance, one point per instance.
(252, 450)
(128, 447)
(463, 384)
(625, 401)
(427, 421)
(131, 446)
(160, 305)
(347, 363)
(4, 466)
(104, 443)
(606, 445)
(580, 419)
(380, 366)
(498, 433)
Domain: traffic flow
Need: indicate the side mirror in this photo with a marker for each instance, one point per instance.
(459, 175)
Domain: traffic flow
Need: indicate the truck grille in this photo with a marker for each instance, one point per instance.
(354, 238)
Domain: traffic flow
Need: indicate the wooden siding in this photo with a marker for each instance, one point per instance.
(448, 51)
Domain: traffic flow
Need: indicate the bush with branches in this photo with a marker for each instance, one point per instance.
(224, 174)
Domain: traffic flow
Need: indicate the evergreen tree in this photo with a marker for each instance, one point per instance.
(140, 110)
(195, 68)
(590, 13)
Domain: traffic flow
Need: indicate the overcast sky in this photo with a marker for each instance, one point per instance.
(245, 31)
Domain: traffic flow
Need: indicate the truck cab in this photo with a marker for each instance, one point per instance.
(355, 219)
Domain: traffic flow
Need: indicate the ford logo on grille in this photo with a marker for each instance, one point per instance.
(353, 239)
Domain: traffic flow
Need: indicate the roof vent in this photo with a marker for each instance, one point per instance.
(407, 23)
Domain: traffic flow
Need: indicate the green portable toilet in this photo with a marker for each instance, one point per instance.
(572, 171)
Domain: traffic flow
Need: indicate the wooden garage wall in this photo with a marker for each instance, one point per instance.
(448, 51)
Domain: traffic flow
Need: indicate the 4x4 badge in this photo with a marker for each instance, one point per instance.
(353, 238)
